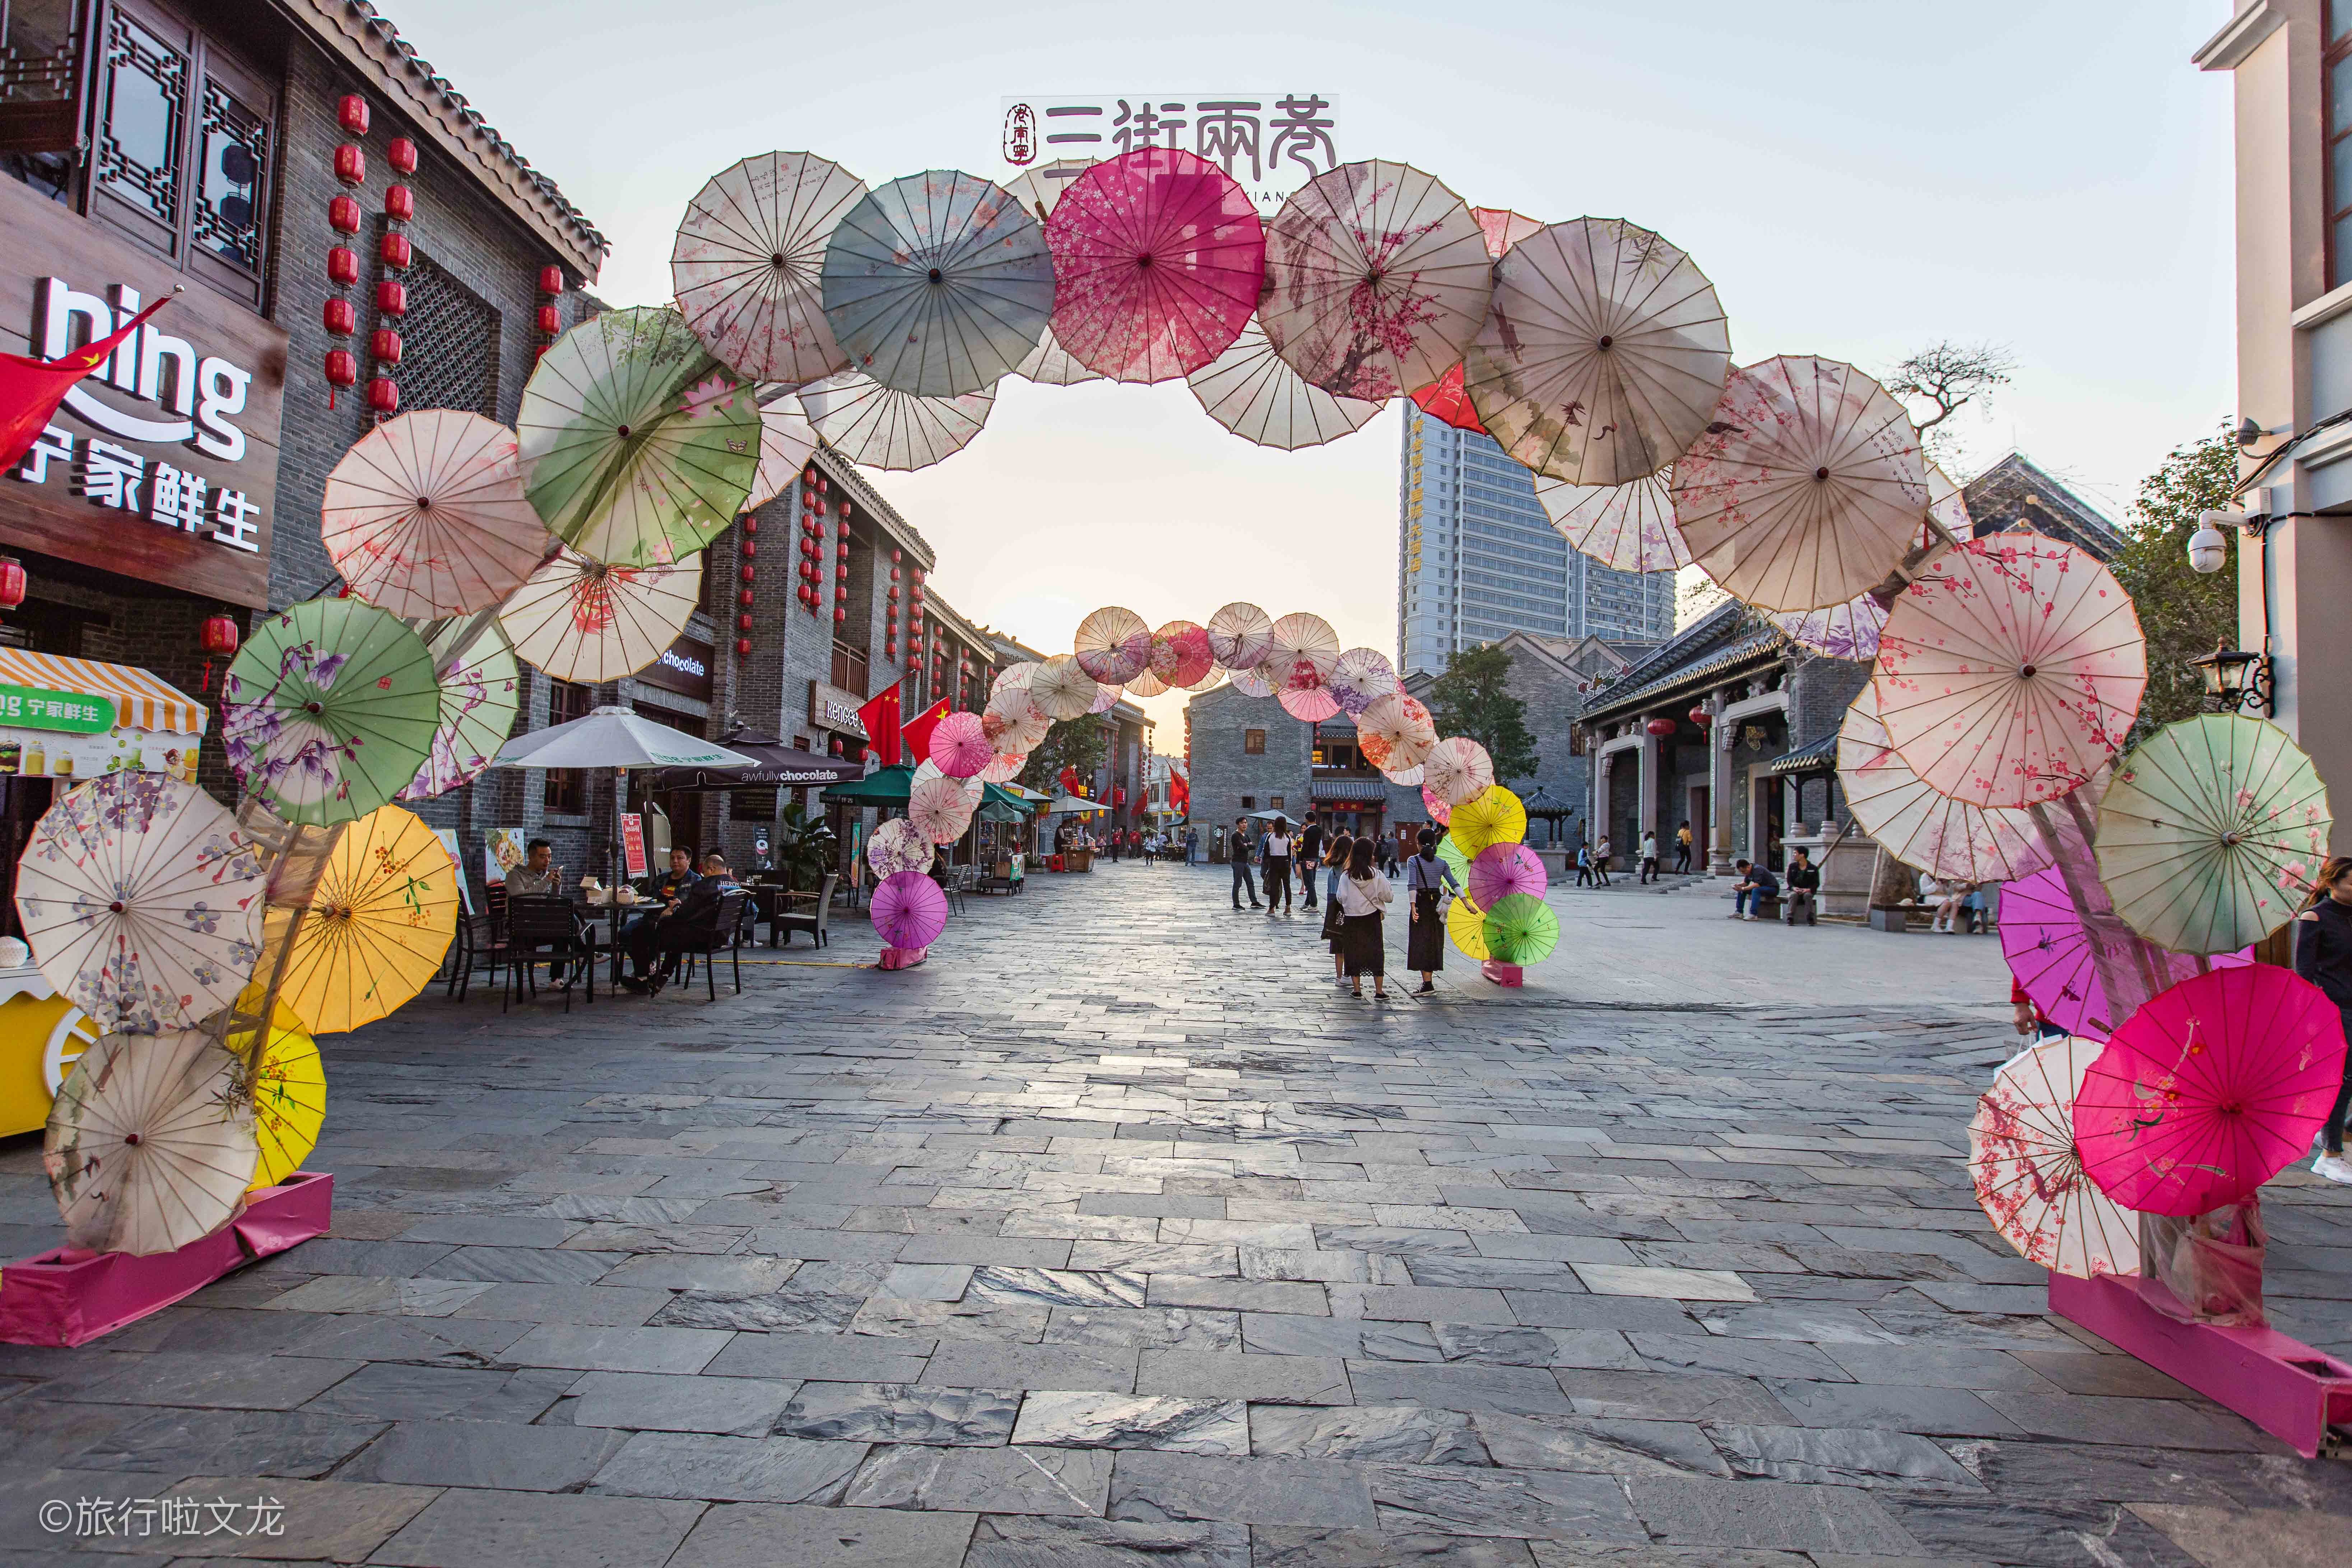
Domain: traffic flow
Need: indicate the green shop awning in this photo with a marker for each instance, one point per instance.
(885, 786)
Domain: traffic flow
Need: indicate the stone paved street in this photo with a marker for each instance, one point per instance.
(1117, 1235)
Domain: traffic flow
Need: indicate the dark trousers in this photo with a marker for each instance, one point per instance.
(641, 939)
(1649, 869)
(1277, 880)
(2334, 1134)
(1243, 884)
(1681, 859)
(1305, 884)
(1584, 876)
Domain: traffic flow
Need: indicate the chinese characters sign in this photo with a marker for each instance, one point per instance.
(1272, 142)
(39, 708)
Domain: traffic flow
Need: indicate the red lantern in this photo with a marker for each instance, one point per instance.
(808, 477)
(550, 279)
(1702, 718)
(551, 320)
(219, 636)
(743, 647)
(342, 370)
(351, 164)
(391, 295)
(742, 623)
(744, 597)
(343, 267)
(894, 558)
(12, 582)
(750, 525)
(749, 574)
(399, 202)
(839, 616)
(750, 548)
(402, 156)
(889, 649)
(384, 395)
(821, 484)
(1660, 727)
(343, 216)
(396, 252)
(352, 114)
(342, 317)
(383, 346)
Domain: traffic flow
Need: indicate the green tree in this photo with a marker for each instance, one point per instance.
(2183, 613)
(1474, 698)
(1070, 744)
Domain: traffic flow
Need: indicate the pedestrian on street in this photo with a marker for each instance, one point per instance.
(2322, 955)
(1363, 894)
(1275, 847)
(1336, 856)
(1192, 845)
(1310, 856)
(1152, 847)
(1756, 885)
(1237, 851)
(1584, 866)
(1387, 854)
(1804, 887)
(1600, 861)
(1428, 878)
(1649, 855)
(1682, 849)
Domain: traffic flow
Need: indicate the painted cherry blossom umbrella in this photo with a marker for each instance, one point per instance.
(1004, 768)
(1181, 658)
(1061, 690)
(1520, 928)
(899, 845)
(1603, 354)
(1441, 812)
(2210, 833)
(1396, 735)
(1921, 825)
(1851, 630)
(378, 926)
(960, 745)
(748, 263)
(882, 427)
(141, 901)
(909, 909)
(1106, 696)
(2028, 1172)
(329, 709)
(1503, 868)
(638, 447)
(2210, 1089)
(481, 692)
(1241, 635)
(150, 1144)
(1309, 704)
(1015, 676)
(1158, 260)
(1627, 527)
(1806, 488)
(2010, 671)
(2049, 951)
(1457, 770)
(425, 515)
(787, 441)
(1252, 392)
(938, 284)
(940, 808)
(1113, 645)
(1377, 280)
(1303, 640)
(1361, 677)
(1492, 816)
(1039, 191)
(577, 620)
(1013, 722)
(1444, 398)
(1250, 682)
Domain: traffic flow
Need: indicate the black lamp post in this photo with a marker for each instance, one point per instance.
(2236, 682)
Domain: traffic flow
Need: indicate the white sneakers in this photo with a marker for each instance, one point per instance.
(2333, 1168)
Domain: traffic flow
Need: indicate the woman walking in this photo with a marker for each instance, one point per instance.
(1335, 866)
(1363, 894)
(1427, 877)
(1584, 865)
(1277, 865)
(2322, 955)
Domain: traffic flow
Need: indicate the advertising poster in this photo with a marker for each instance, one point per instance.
(502, 851)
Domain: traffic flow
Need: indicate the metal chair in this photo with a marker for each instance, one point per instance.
(481, 940)
(546, 931)
(813, 917)
(724, 934)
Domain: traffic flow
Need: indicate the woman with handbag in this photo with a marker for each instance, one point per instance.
(1363, 894)
(1427, 877)
(1335, 866)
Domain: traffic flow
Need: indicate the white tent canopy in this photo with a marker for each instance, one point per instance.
(613, 737)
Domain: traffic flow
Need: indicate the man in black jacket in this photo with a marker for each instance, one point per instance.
(690, 921)
(1311, 857)
(1238, 849)
(1804, 887)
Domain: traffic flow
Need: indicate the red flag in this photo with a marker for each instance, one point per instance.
(880, 718)
(915, 732)
(31, 389)
(1070, 781)
(1180, 794)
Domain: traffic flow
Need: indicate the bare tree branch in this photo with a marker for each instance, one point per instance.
(1949, 376)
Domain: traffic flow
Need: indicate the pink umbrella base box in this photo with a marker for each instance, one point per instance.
(902, 957)
(2281, 1384)
(69, 1298)
(1503, 973)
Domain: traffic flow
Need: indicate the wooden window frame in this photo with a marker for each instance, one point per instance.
(1253, 743)
(566, 790)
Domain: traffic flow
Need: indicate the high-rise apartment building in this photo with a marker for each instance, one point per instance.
(1477, 558)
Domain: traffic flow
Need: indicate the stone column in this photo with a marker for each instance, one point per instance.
(1721, 737)
(1646, 820)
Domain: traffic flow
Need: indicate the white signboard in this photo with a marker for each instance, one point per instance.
(1272, 142)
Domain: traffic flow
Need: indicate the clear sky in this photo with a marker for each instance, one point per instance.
(1858, 178)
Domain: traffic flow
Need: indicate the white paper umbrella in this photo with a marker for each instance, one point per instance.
(1060, 690)
(1015, 676)
(1807, 488)
(151, 1142)
(1003, 767)
(141, 900)
(1457, 770)
(1241, 635)
(869, 423)
(581, 621)
(1013, 722)
(748, 261)
(898, 846)
(2029, 1175)
(1604, 353)
(1303, 644)
(1252, 392)
(1249, 682)
(1851, 630)
(1106, 696)
(1918, 825)
(425, 515)
(1362, 677)
(481, 692)
(941, 808)
(1397, 736)
(787, 441)
(1628, 528)
(1113, 645)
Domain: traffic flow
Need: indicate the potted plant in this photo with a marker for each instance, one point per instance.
(805, 847)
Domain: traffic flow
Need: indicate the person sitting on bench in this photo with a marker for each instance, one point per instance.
(1756, 885)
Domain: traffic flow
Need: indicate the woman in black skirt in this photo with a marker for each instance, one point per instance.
(1427, 877)
(1363, 894)
(1335, 870)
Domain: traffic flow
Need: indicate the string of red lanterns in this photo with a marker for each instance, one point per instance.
(551, 288)
(343, 219)
(384, 345)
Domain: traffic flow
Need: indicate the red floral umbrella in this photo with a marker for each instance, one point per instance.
(1180, 656)
(1157, 261)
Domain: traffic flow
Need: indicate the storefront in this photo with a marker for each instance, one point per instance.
(675, 690)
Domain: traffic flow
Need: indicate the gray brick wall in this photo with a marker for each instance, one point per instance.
(1224, 772)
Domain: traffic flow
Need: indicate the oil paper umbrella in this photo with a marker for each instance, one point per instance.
(1304, 645)
(1114, 644)
(1443, 398)
(960, 745)
(1241, 635)
(578, 620)
(1520, 928)
(378, 926)
(1304, 700)
(2027, 1174)
(1013, 722)
(2049, 951)
(2210, 1089)
(329, 709)
(1604, 353)
(1501, 869)
(1494, 815)
(1377, 278)
(141, 901)
(1106, 696)
(909, 909)
(747, 261)
(1252, 392)
(1465, 922)
(1457, 770)
(1361, 677)
(1396, 733)
(425, 515)
(1039, 191)
(939, 284)
(1014, 674)
(882, 427)
(898, 846)
(1918, 825)
(638, 447)
(150, 1144)
(1157, 260)
(1627, 527)
(1806, 488)
(289, 1095)
(2010, 671)
(940, 810)
(787, 441)
(1060, 690)
(1851, 630)
(481, 692)
(1441, 811)
(2211, 831)
(1249, 682)
(1181, 658)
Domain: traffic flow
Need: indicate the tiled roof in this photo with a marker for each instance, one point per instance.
(1821, 753)
(1700, 651)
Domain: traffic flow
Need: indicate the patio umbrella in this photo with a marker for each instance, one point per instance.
(425, 515)
(1181, 657)
(1921, 825)
(883, 428)
(2210, 1089)
(638, 449)
(1241, 635)
(1603, 355)
(290, 1096)
(1627, 527)
(481, 692)
(1501, 869)
(941, 809)
(1113, 645)
(909, 909)
(2010, 671)
(579, 620)
(960, 745)
(329, 709)
(150, 1144)
(1060, 690)
(1521, 929)
(1806, 488)
(1039, 191)
(2213, 828)
(1396, 733)
(378, 926)
(614, 737)
(1252, 392)
(1494, 815)
(1465, 925)
(1361, 677)
(1440, 811)
(747, 260)
(141, 900)
(1443, 398)
(1158, 259)
(2027, 1174)
(1377, 278)
(2049, 951)
(1457, 770)
(787, 441)
(938, 284)
(898, 846)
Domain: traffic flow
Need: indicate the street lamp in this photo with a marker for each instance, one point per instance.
(2235, 681)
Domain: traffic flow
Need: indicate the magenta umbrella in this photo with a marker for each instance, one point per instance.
(1158, 256)
(2041, 936)
(1500, 869)
(910, 910)
(960, 745)
(2210, 1089)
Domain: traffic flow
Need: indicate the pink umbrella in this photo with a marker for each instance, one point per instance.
(1114, 644)
(2041, 936)
(1503, 868)
(1180, 654)
(960, 745)
(2210, 1089)
(1312, 703)
(1458, 768)
(909, 909)
(942, 807)
(1362, 677)
(1441, 811)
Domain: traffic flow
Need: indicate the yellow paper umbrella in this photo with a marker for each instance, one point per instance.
(378, 926)
(289, 1094)
(1493, 816)
(1465, 924)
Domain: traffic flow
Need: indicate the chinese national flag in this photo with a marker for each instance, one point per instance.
(1070, 781)
(916, 733)
(31, 389)
(1180, 794)
(880, 718)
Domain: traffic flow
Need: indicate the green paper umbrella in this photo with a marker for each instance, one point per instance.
(1450, 853)
(638, 447)
(481, 692)
(2210, 832)
(1521, 929)
(330, 710)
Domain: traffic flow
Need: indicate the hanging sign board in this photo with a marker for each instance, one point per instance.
(1272, 142)
(39, 708)
(633, 842)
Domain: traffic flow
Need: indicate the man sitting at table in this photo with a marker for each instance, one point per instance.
(537, 875)
(665, 889)
(687, 922)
